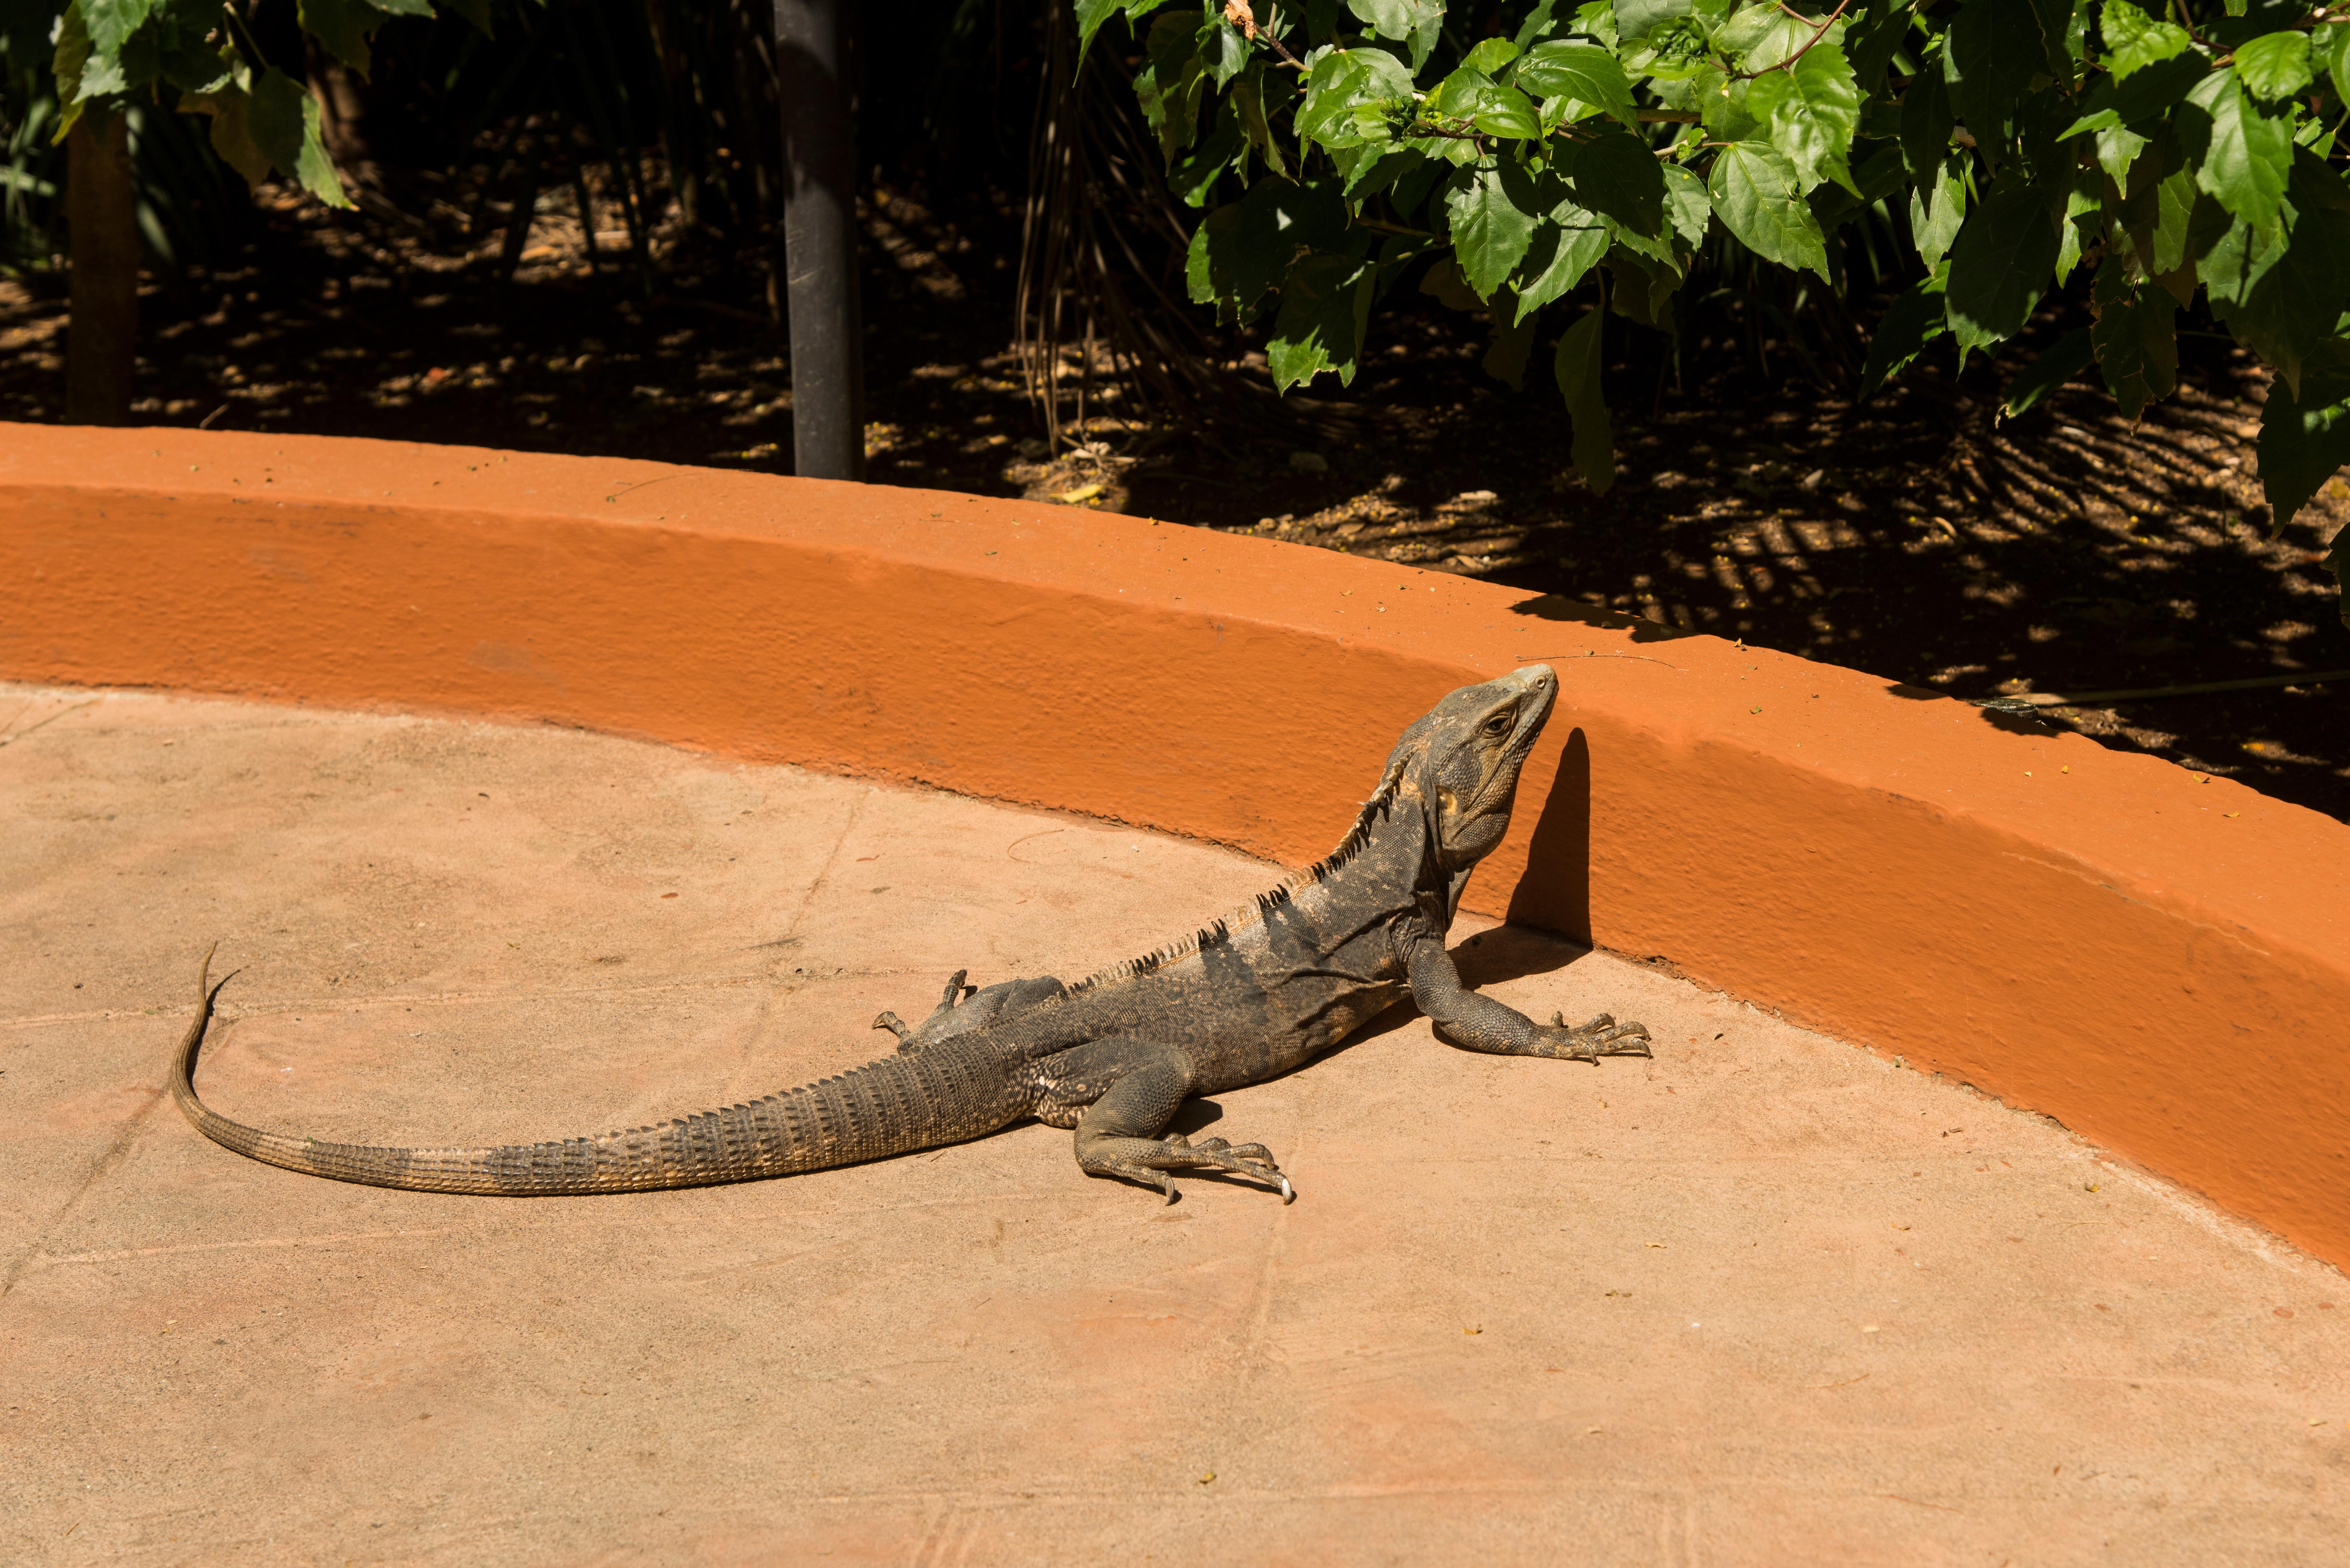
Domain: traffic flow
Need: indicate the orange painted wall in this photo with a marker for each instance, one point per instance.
(2083, 932)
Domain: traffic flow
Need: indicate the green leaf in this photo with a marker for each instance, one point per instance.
(2149, 96)
(2086, 202)
(2305, 439)
(1814, 109)
(1756, 195)
(1248, 97)
(1326, 302)
(2134, 40)
(111, 23)
(2274, 64)
(68, 65)
(2137, 345)
(1687, 205)
(1195, 177)
(1561, 255)
(1490, 54)
(2281, 291)
(232, 131)
(1994, 50)
(1584, 73)
(1092, 14)
(2117, 148)
(1937, 208)
(312, 166)
(1926, 123)
(1350, 95)
(1577, 369)
(1505, 111)
(276, 121)
(1635, 19)
(344, 27)
(1369, 169)
(1224, 53)
(1171, 84)
(1416, 24)
(1874, 42)
(2239, 153)
(2160, 222)
(1241, 251)
(1999, 265)
(1491, 107)
(1761, 37)
(2058, 363)
(1540, 23)
(2337, 67)
(1492, 222)
(1616, 173)
(1914, 319)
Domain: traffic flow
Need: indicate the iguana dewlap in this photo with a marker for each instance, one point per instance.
(1250, 997)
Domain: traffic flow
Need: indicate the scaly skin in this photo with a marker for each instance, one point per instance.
(1113, 1056)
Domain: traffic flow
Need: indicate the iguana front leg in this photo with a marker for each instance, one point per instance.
(1476, 1023)
(1128, 1090)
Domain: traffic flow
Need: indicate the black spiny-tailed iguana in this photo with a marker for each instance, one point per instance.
(1112, 1056)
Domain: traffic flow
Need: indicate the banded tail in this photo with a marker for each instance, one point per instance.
(943, 1094)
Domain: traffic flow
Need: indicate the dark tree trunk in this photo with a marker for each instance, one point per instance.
(812, 77)
(102, 223)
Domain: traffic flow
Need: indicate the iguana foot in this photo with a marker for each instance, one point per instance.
(1603, 1036)
(912, 1039)
(1151, 1162)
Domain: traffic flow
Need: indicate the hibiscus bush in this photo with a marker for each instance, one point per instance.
(1544, 161)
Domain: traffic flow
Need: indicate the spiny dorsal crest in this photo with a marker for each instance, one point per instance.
(1359, 836)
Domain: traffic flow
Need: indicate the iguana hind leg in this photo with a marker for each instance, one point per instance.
(1134, 1089)
(966, 1007)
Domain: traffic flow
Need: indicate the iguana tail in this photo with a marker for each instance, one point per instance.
(943, 1094)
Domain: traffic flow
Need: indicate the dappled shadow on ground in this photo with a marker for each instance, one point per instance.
(1917, 536)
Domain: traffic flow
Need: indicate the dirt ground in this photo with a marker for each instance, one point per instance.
(1917, 536)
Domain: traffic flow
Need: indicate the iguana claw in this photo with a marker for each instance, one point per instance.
(1603, 1036)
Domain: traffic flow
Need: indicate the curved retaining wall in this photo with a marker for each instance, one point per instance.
(2163, 964)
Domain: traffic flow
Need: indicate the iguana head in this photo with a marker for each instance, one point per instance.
(1460, 760)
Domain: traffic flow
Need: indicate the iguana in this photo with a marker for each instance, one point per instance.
(1249, 998)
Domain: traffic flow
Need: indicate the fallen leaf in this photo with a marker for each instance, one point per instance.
(1081, 493)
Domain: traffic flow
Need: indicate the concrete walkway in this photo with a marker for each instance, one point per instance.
(1765, 1300)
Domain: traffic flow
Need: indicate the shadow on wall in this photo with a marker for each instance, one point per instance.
(1556, 891)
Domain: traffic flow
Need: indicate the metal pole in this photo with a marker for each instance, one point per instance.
(813, 66)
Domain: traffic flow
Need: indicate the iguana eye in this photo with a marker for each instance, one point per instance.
(1498, 725)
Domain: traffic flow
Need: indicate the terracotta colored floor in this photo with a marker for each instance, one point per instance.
(1766, 1300)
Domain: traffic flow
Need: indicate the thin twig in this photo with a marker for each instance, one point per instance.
(1817, 33)
(1238, 14)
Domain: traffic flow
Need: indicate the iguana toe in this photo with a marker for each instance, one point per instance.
(1603, 1036)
